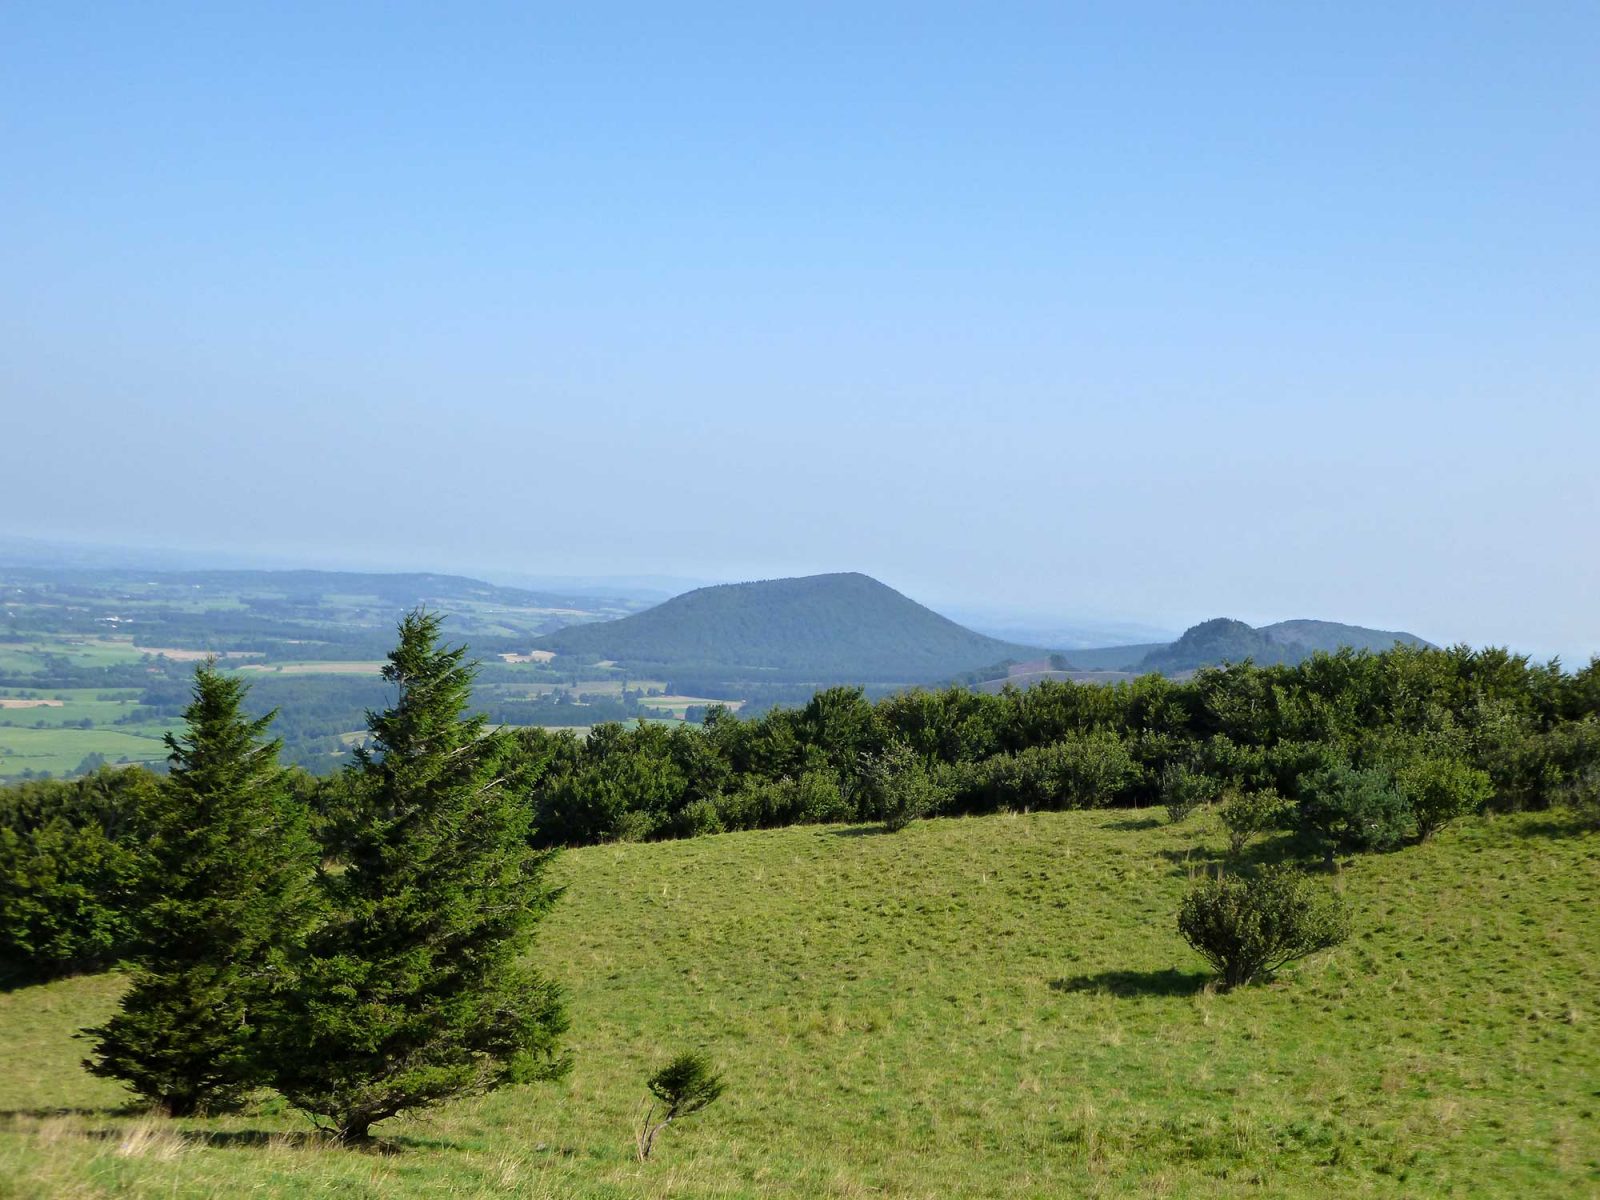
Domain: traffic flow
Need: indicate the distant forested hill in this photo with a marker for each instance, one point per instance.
(1220, 640)
(839, 628)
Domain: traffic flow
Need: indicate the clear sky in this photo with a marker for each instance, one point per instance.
(1148, 311)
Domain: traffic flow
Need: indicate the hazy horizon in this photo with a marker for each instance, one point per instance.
(1108, 315)
(998, 618)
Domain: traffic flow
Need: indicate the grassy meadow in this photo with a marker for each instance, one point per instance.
(994, 1006)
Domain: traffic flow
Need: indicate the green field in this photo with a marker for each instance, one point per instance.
(59, 751)
(49, 738)
(994, 1006)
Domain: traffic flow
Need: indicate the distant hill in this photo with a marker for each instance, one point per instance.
(839, 628)
(1330, 636)
(1221, 640)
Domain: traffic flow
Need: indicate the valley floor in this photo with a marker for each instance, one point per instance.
(995, 1006)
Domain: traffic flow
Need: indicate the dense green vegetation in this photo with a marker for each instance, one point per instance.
(1350, 753)
(69, 871)
(1370, 750)
(999, 1006)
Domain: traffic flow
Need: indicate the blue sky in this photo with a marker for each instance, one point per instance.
(1152, 312)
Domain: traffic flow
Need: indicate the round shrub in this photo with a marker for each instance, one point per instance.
(897, 787)
(1246, 814)
(1183, 790)
(1442, 789)
(1346, 809)
(1249, 927)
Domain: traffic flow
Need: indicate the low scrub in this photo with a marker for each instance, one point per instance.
(1184, 789)
(1348, 809)
(1246, 815)
(1440, 790)
(1247, 927)
(897, 787)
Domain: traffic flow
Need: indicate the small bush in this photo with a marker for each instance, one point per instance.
(1247, 928)
(1582, 796)
(1247, 814)
(1183, 790)
(634, 826)
(897, 787)
(1087, 770)
(698, 817)
(685, 1085)
(1440, 790)
(814, 798)
(1345, 809)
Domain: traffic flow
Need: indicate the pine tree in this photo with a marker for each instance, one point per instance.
(226, 883)
(418, 988)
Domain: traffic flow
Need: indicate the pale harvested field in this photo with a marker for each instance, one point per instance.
(317, 668)
(538, 656)
(30, 703)
(126, 644)
(180, 655)
(676, 702)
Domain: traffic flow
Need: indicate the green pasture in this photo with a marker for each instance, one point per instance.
(308, 667)
(993, 1006)
(59, 751)
(70, 711)
(28, 657)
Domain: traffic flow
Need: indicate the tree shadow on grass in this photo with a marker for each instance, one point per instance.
(1135, 824)
(15, 977)
(1271, 850)
(1168, 982)
(859, 831)
(1195, 860)
(11, 1116)
(21, 1120)
(1557, 824)
(309, 1140)
(229, 1139)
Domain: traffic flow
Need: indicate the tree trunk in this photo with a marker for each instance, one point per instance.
(180, 1106)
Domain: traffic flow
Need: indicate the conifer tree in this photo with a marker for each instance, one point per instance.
(226, 882)
(418, 988)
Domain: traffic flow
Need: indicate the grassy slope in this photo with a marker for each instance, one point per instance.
(993, 1006)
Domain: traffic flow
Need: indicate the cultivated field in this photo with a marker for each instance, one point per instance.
(48, 732)
(994, 1006)
(317, 668)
